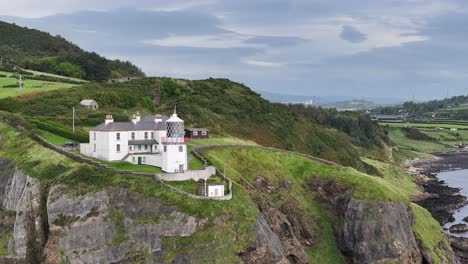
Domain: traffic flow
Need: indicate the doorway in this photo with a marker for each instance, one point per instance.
(181, 168)
(139, 160)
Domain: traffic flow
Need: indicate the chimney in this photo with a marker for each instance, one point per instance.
(134, 119)
(157, 118)
(108, 119)
(137, 116)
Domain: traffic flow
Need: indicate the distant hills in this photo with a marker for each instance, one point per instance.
(36, 50)
(338, 102)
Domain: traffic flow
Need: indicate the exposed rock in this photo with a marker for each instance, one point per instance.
(369, 232)
(460, 247)
(379, 232)
(280, 225)
(465, 219)
(21, 194)
(266, 248)
(107, 226)
(458, 228)
(262, 184)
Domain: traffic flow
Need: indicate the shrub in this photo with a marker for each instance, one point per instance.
(60, 130)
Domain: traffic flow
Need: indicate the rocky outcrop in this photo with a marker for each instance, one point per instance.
(266, 248)
(369, 231)
(47, 225)
(22, 195)
(458, 228)
(460, 247)
(108, 226)
(378, 233)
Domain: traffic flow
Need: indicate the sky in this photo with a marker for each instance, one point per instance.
(362, 48)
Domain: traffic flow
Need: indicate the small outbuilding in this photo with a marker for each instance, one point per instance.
(211, 189)
(196, 133)
(89, 103)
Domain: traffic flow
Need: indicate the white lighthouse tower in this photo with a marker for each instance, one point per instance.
(174, 158)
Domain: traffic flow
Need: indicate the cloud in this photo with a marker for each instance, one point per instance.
(213, 41)
(352, 34)
(372, 48)
(263, 63)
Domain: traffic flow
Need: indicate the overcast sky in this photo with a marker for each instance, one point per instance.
(384, 48)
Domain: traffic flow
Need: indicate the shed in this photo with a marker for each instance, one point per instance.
(211, 189)
(89, 103)
(196, 133)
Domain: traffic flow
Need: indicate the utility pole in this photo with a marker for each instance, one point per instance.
(73, 119)
(20, 83)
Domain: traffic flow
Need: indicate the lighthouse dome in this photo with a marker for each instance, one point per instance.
(175, 126)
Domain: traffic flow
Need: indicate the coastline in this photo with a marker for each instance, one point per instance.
(438, 198)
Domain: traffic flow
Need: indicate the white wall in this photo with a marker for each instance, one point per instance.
(215, 190)
(173, 158)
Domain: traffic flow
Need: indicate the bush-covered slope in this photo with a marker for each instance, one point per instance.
(225, 107)
(37, 50)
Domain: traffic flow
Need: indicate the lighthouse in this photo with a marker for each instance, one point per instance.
(174, 156)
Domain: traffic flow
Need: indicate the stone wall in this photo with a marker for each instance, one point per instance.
(195, 175)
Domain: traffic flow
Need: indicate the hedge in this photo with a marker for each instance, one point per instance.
(60, 130)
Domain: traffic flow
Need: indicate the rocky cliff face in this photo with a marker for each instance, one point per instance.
(372, 232)
(44, 225)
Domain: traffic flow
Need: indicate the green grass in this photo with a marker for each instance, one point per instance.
(186, 186)
(29, 86)
(429, 233)
(127, 166)
(215, 140)
(396, 177)
(195, 163)
(52, 138)
(55, 76)
(398, 137)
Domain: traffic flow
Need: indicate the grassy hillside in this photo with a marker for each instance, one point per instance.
(9, 86)
(37, 50)
(234, 218)
(225, 107)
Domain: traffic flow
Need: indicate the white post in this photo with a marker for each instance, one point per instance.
(20, 83)
(73, 119)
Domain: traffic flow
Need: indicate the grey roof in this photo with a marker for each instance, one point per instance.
(197, 129)
(87, 102)
(143, 142)
(146, 123)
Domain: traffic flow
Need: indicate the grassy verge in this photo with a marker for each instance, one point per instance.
(429, 233)
(220, 140)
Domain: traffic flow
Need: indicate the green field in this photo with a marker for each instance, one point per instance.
(55, 76)
(425, 125)
(29, 86)
(399, 137)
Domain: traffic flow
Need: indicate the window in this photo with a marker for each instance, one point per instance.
(139, 147)
(133, 159)
(133, 135)
(118, 147)
(152, 135)
(181, 148)
(165, 148)
(195, 133)
(146, 135)
(144, 159)
(118, 136)
(203, 133)
(130, 148)
(146, 147)
(94, 145)
(94, 135)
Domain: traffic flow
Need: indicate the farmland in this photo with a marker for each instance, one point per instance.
(9, 85)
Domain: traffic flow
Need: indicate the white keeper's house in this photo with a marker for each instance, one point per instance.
(152, 140)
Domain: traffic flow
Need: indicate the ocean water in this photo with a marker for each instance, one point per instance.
(457, 179)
